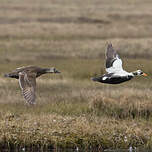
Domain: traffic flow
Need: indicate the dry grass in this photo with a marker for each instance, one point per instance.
(73, 113)
(71, 110)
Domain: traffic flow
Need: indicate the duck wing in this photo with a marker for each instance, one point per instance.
(27, 82)
(113, 61)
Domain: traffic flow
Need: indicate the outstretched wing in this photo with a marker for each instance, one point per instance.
(113, 61)
(27, 82)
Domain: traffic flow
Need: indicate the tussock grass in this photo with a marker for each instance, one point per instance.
(71, 114)
(122, 104)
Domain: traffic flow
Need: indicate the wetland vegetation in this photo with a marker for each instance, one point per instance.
(71, 110)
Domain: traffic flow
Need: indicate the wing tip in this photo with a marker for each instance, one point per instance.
(108, 49)
(109, 45)
(29, 100)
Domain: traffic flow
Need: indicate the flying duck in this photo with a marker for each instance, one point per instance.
(27, 80)
(115, 73)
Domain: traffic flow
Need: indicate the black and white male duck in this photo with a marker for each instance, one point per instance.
(115, 73)
(27, 80)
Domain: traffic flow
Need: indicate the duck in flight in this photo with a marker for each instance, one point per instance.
(27, 80)
(115, 73)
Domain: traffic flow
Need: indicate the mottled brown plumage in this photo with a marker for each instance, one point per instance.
(27, 80)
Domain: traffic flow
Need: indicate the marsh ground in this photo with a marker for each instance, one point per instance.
(72, 111)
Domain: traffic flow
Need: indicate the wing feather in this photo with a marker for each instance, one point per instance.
(27, 82)
(113, 61)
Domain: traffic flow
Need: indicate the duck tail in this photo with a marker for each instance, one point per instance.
(6, 75)
(11, 75)
(94, 79)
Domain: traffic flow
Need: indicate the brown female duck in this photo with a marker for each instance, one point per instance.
(27, 79)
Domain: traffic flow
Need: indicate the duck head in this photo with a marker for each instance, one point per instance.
(52, 70)
(139, 73)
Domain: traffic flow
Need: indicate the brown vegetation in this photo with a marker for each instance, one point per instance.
(72, 111)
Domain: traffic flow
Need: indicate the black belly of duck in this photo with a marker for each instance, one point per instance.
(112, 80)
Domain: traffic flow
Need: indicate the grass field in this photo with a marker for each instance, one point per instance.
(71, 110)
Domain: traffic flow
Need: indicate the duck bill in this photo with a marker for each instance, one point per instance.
(144, 74)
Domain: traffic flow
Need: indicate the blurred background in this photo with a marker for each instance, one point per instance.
(39, 32)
